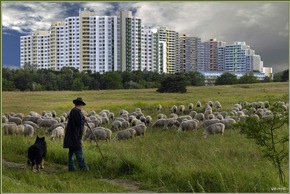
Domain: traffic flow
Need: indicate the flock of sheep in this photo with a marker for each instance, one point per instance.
(127, 125)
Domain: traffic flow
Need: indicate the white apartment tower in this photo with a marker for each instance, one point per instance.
(35, 49)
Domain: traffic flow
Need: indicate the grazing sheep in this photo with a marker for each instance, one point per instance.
(125, 124)
(19, 115)
(220, 117)
(181, 109)
(16, 120)
(100, 133)
(116, 125)
(188, 125)
(185, 117)
(217, 128)
(199, 116)
(20, 129)
(105, 112)
(198, 104)
(210, 116)
(206, 123)
(210, 103)
(140, 129)
(159, 123)
(173, 115)
(111, 116)
(192, 114)
(131, 118)
(266, 104)
(46, 122)
(135, 122)
(190, 107)
(57, 133)
(161, 116)
(9, 129)
(217, 105)
(34, 114)
(4, 119)
(224, 113)
(29, 130)
(260, 104)
(125, 134)
(174, 109)
(229, 122)
(148, 120)
(159, 107)
(143, 119)
(31, 118)
(120, 119)
(105, 120)
(54, 126)
(170, 122)
(35, 126)
(123, 112)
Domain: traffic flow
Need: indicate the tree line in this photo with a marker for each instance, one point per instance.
(69, 78)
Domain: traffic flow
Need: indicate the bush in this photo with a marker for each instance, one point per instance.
(173, 84)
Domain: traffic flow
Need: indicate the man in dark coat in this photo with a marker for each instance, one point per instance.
(73, 135)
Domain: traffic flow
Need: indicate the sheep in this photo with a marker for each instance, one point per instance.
(217, 128)
(224, 113)
(217, 105)
(260, 104)
(4, 119)
(34, 114)
(207, 112)
(140, 129)
(116, 125)
(31, 118)
(131, 118)
(206, 123)
(9, 129)
(192, 113)
(46, 122)
(35, 126)
(220, 117)
(20, 129)
(29, 130)
(125, 134)
(148, 120)
(181, 109)
(125, 124)
(169, 123)
(139, 115)
(233, 117)
(174, 109)
(199, 116)
(181, 118)
(188, 125)
(111, 116)
(105, 112)
(190, 107)
(16, 120)
(54, 126)
(57, 133)
(210, 116)
(198, 104)
(159, 123)
(19, 115)
(159, 107)
(105, 120)
(135, 122)
(173, 115)
(125, 116)
(266, 104)
(229, 122)
(210, 103)
(161, 116)
(123, 112)
(100, 133)
(46, 114)
(142, 119)
(138, 110)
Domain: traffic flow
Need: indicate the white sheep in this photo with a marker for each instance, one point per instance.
(4, 119)
(148, 120)
(206, 123)
(217, 105)
(190, 107)
(140, 129)
(210, 103)
(116, 125)
(199, 116)
(9, 128)
(100, 133)
(142, 119)
(229, 122)
(19, 115)
(125, 134)
(16, 120)
(181, 118)
(217, 128)
(51, 128)
(57, 133)
(173, 115)
(29, 130)
(161, 116)
(159, 107)
(198, 104)
(188, 125)
(181, 109)
(174, 109)
(111, 116)
(192, 113)
(20, 129)
(46, 122)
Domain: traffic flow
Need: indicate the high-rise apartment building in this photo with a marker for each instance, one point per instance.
(35, 49)
(188, 53)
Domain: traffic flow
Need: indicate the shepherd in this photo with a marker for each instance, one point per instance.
(73, 135)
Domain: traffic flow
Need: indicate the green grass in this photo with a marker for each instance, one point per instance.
(162, 161)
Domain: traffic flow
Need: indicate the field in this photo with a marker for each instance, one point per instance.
(162, 161)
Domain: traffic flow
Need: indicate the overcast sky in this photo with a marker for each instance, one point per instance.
(262, 25)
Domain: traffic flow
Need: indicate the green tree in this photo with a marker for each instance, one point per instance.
(173, 84)
(285, 75)
(111, 80)
(278, 77)
(270, 136)
(196, 78)
(248, 78)
(226, 79)
(7, 85)
(78, 85)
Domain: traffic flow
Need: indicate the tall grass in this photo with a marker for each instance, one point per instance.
(162, 161)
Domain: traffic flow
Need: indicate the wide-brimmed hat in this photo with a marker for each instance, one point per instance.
(79, 101)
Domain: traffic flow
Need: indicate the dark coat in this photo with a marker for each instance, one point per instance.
(74, 130)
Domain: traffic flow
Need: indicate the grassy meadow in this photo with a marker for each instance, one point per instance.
(162, 161)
